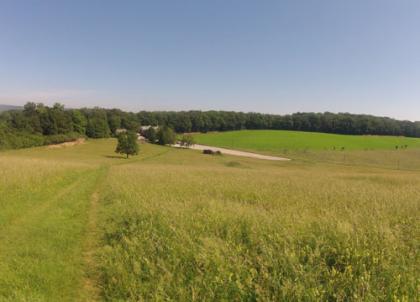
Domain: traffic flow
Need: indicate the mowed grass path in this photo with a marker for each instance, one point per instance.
(176, 225)
(279, 141)
(44, 211)
(48, 232)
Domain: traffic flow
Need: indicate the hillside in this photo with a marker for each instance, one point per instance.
(82, 224)
(9, 107)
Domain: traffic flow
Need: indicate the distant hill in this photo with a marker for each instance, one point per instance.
(9, 107)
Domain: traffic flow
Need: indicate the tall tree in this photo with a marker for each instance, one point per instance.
(166, 136)
(97, 125)
(61, 118)
(79, 121)
(32, 118)
(151, 134)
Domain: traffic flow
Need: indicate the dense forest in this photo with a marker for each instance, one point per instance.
(38, 124)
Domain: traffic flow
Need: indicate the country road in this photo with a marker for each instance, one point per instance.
(235, 152)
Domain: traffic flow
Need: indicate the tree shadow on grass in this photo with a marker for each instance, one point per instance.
(114, 156)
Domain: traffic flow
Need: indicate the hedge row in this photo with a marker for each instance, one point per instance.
(17, 140)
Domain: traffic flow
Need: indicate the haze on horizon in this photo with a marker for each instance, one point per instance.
(280, 57)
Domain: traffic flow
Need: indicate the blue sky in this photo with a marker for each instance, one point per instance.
(360, 56)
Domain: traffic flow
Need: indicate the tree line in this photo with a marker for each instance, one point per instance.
(340, 123)
(38, 124)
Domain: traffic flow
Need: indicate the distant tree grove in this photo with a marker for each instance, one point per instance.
(38, 124)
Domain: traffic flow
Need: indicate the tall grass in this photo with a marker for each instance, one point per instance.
(176, 225)
(205, 230)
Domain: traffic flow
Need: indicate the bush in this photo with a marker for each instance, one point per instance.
(151, 135)
(166, 136)
(187, 141)
(11, 139)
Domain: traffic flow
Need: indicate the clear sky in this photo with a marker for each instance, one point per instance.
(359, 56)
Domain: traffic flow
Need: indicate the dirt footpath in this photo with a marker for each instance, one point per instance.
(67, 144)
(235, 152)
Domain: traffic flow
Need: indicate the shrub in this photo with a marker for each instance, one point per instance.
(166, 136)
(187, 141)
(151, 135)
(11, 139)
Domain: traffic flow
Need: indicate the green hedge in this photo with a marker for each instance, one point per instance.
(12, 139)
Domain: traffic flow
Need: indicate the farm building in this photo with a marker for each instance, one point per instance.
(143, 129)
(120, 130)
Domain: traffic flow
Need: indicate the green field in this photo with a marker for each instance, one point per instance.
(82, 224)
(280, 141)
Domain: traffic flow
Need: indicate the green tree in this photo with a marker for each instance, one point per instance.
(166, 136)
(97, 126)
(61, 118)
(114, 122)
(187, 141)
(182, 122)
(79, 121)
(32, 117)
(127, 143)
(130, 122)
(151, 134)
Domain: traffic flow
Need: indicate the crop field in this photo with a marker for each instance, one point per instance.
(82, 224)
(279, 141)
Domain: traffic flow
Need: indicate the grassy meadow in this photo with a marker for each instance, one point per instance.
(82, 224)
(279, 141)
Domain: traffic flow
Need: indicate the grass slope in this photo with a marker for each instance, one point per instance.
(279, 141)
(45, 203)
(181, 226)
(43, 224)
